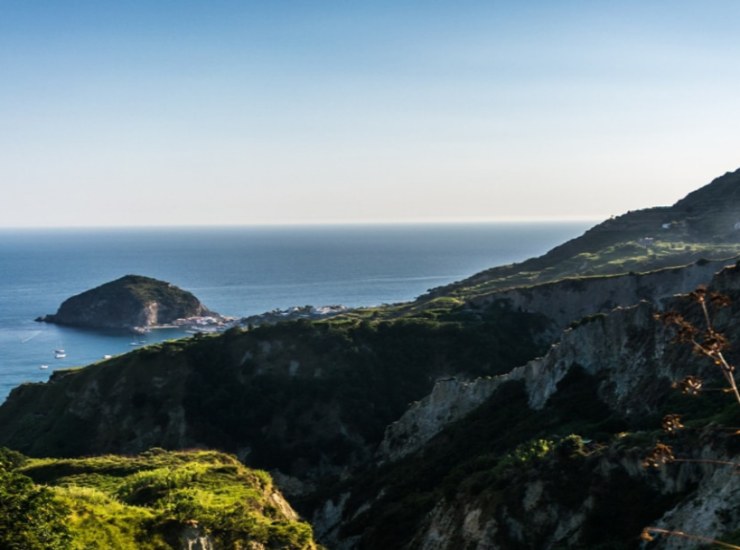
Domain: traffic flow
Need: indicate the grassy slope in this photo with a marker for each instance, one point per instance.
(701, 226)
(147, 501)
(614, 258)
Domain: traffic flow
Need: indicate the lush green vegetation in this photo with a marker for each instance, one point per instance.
(149, 501)
(31, 516)
(614, 259)
(701, 226)
(622, 257)
(353, 375)
(148, 289)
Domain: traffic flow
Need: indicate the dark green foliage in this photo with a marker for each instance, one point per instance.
(625, 505)
(119, 304)
(476, 456)
(570, 446)
(31, 518)
(414, 484)
(361, 374)
(597, 317)
(698, 411)
(10, 459)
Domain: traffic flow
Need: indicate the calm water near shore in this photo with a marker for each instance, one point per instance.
(235, 271)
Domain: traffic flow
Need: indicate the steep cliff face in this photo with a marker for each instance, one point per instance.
(129, 302)
(126, 404)
(625, 346)
(710, 509)
(566, 301)
(488, 463)
(595, 344)
(450, 400)
(578, 500)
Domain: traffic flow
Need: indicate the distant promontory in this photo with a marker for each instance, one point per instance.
(129, 303)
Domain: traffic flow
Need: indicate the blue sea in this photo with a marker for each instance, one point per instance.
(236, 272)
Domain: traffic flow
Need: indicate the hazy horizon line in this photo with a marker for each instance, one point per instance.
(325, 223)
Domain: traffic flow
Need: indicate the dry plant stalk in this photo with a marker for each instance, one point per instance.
(708, 342)
(649, 532)
(711, 344)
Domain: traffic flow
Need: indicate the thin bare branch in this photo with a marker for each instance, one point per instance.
(648, 532)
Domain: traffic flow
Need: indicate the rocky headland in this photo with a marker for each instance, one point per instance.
(133, 302)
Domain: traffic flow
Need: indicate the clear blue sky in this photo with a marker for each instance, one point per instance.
(215, 112)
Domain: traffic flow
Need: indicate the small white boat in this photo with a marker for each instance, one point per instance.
(44, 367)
(107, 356)
(60, 353)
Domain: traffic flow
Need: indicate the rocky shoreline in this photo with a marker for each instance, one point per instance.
(219, 323)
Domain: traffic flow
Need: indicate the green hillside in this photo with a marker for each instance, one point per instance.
(548, 446)
(701, 225)
(302, 396)
(156, 500)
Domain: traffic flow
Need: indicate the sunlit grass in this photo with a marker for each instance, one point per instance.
(144, 501)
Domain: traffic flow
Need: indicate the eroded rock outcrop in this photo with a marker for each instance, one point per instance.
(706, 512)
(566, 301)
(626, 361)
(599, 342)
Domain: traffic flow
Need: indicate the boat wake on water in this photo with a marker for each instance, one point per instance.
(31, 337)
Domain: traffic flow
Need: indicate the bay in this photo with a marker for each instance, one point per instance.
(237, 271)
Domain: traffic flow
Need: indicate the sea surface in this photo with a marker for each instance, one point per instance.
(236, 272)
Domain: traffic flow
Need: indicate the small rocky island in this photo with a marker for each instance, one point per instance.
(132, 302)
